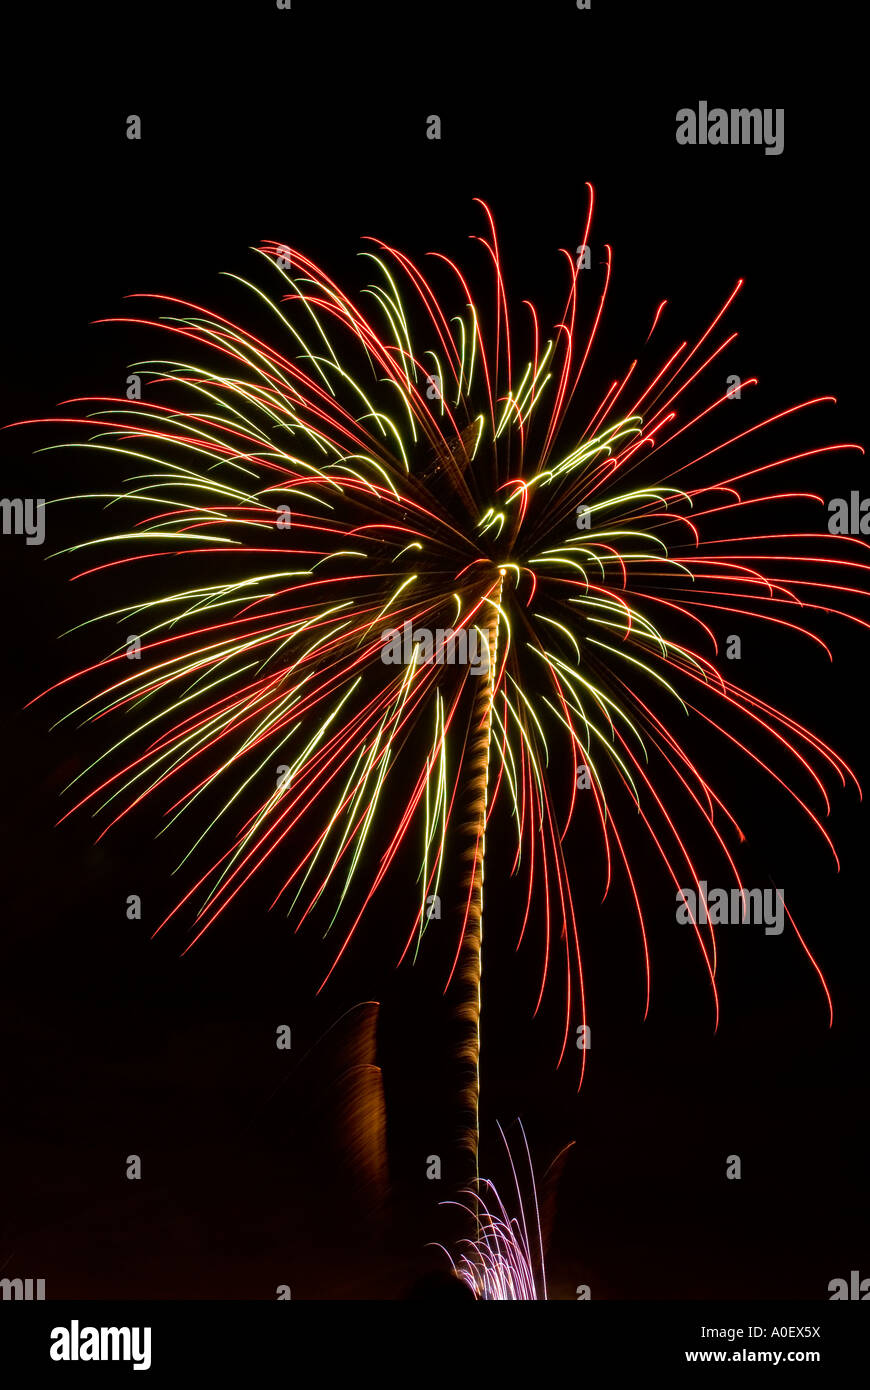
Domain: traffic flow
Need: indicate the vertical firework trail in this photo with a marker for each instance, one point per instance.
(472, 855)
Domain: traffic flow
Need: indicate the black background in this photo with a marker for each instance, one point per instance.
(309, 126)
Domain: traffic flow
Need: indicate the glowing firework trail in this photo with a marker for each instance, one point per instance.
(505, 1262)
(303, 492)
(468, 1006)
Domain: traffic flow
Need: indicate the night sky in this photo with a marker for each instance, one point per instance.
(309, 126)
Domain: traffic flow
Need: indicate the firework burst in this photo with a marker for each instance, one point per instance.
(415, 460)
(505, 1261)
